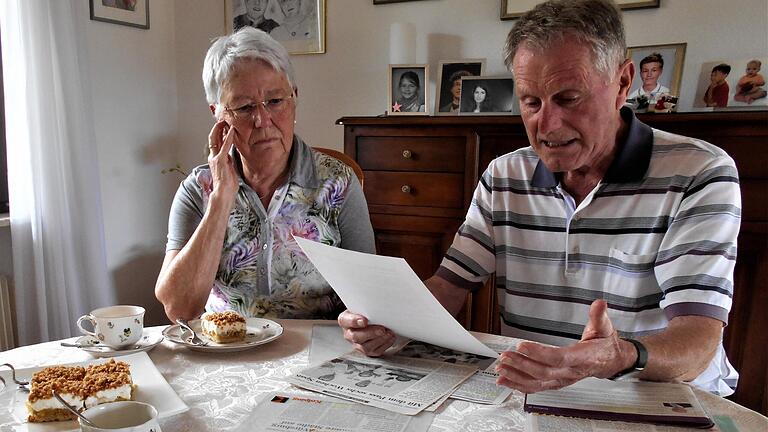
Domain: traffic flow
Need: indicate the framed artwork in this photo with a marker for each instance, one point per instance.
(134, 13)
(376, 2)
(733, 84)
(484, 95)
(658, 71)
(408, 89)
(513, 9)
(449, 74)
(297, 24)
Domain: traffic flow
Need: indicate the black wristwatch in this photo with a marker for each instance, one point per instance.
(642, 358)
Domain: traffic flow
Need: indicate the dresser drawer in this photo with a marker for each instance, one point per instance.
(412, 153)
(414, 189)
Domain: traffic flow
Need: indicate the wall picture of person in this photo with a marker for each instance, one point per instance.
(658, 71)
(299, 25)
(449, 74)
(134, 13)
(408, 84)
(733, 84)
(487, 95)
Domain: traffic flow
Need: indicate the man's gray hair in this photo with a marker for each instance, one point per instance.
(596, 23)
(246, 43)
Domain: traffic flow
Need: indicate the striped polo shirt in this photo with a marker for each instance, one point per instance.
(656, 238)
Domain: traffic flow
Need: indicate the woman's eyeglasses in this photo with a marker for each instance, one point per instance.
(274, 106)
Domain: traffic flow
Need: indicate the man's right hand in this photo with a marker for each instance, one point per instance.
(371, 340)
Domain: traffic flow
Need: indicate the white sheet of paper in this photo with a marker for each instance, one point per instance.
(388, 292)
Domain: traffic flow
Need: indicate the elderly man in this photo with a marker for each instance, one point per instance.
(613, 243)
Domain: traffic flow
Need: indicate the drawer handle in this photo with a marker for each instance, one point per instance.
(406, 189)
(407, 154)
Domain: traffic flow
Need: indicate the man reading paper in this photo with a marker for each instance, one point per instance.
(610, 240)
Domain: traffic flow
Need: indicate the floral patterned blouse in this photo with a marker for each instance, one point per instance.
(262, 271)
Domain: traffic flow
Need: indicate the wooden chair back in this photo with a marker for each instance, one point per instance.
(346, 159)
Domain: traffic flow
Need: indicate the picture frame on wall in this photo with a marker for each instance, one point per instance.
(484, 95)
(408, 89)
(299, 25)
(733, 84)
(658, 73)
(449, 74)
(378, 2)
(513, 9)
(133, 13)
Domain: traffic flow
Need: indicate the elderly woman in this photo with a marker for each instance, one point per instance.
(232, 222)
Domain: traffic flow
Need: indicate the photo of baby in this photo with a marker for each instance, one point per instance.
(750, 86)
(732, 84)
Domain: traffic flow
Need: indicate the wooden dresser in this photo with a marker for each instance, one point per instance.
(420, 173)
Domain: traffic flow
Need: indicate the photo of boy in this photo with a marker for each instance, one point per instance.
(717, 92)
(750, 85)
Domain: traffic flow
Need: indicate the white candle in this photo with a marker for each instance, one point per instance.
(402, 43)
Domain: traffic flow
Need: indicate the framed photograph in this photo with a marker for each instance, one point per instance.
(408, 89)
(449, 74)
(733, 84)
(134, 13)
(487, 95)
(297, 24)
(513, 9)
(376, 2)
(658, 71)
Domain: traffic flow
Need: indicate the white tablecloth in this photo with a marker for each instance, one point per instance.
(220, 388)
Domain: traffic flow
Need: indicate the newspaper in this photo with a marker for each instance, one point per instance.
(291, 412)
(479, 388)
(398, 384)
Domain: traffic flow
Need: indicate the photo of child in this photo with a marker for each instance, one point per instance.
(717, 92)
(732, 83)
(750, 85)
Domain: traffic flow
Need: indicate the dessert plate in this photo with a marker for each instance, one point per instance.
(92, 346)
(151, 387)
(258, 331)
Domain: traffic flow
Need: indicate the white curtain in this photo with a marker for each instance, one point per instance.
(57, 233)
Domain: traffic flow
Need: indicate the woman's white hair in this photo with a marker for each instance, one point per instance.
(246, 43)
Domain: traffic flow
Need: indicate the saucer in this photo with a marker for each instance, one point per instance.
(95, 348)
(259, 331)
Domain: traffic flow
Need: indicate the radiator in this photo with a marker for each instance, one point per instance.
(6, 321)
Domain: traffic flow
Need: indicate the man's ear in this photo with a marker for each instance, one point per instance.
(625, 75)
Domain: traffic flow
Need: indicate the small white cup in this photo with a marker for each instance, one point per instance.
(124, 416)
(115, 326)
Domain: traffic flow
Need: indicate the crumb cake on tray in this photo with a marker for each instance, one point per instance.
(81, 387)
(223, 327)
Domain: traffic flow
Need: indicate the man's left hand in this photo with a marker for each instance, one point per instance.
(535, 367)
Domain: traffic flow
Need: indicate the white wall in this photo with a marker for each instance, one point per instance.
(134, 89)
(351, 77)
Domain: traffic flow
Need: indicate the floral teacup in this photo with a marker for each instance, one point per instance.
(115, 326)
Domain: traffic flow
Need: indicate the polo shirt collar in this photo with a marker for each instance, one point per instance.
(631, 161)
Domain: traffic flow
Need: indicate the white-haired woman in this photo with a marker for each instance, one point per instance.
(232, 221)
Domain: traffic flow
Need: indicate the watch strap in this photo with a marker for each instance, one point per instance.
(640, 362)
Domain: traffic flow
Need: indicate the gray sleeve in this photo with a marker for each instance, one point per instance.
(186, 213)
(354, 221)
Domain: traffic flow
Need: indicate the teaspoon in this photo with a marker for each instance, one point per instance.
(72, 409)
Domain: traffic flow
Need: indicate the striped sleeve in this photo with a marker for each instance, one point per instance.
(471, 258)
(697, 255)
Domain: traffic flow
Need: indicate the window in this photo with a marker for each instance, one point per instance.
(3, 154)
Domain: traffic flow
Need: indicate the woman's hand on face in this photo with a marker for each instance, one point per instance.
(220, 142)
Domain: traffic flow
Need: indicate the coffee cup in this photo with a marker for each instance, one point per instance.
(123, 416)
(115, 326)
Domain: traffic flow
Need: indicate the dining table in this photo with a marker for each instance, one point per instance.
(221, 388)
